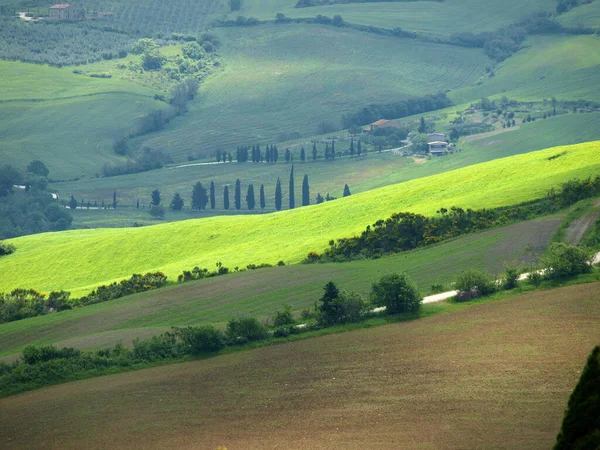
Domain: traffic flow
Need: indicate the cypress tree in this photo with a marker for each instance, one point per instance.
(359, 148)
(278, 196)
(155, 197)
(302, 155)
(115, 200)
(212, 195)
(72, 203)
(237, 196)
(250, 200)
(275, 154)
(314, 151)
(218, 156)
(138, 204)
(346, 191)
(305, 191)
(262, 196)
(230, 157)
(292, 196)
(352, 147)
(327, 152)
(226, 197)
(288, 155)
(199, 197)
(332, 149)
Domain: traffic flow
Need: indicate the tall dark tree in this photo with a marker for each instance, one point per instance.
(314, 151)
(219, 156)
(422, 126)
(358, 148)
(275, 154)
(250, 200)
(73, 203)
(212, 195)
(278, 195)
(262, 197)
(38, 168)
(177, 202)
(352, 147)
(226, 197)
(346, 191)
(292, 193)
(320, 198)
(332, 149)
(155, 197)
(554, 106)
(327, 152)
(115, 200)
(288, 155)
(199, 197)
(230, 158)
(305, 191)
(237, 195)
(302, 155)
(137, 205)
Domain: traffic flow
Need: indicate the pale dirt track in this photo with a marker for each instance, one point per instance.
(577, 228)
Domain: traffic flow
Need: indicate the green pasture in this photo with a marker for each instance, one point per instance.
(80, 259)
(424, 17)
(564, 67)
(261, 292)
(587, 16)
(278, 82)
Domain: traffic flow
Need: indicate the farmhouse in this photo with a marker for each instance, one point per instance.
(438, 148)
(382, 123)
(433, 137)
(65, 11)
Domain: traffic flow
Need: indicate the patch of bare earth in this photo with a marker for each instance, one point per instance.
(495, 375)
(476, 137)
(578, 227)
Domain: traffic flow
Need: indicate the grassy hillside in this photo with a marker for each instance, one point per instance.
(587, 16)
(107, 254)
(260, 293)
(548, 66)
(425, 17)
(361, 174)
(493, 375)
(67, 120)
(280, 81)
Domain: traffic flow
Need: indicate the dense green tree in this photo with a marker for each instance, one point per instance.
(581, 425)
(250, 200)
(397, 292)
(177, 202)
(292, 193)
(329, 307)
(155, 197)
(302, 155)
(73, 203)
(333, 149)
(212, 195)
(320, 198)
(199, 197)
(226, 197)
(352, 150)
(230, 157)
(305, 191)
(157, 211)
(278, 195)
(314, 151)
(137, 205)
(114, 199)
(262, 196)
(288, 155)
(422, 126)
(9, 177)
(359, 148)
(38, 168)
(219, 156)
(237, 195)
(346, 191)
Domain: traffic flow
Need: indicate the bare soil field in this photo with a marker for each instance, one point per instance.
(493, 375)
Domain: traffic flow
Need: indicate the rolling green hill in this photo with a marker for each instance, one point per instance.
(107, 254)
(67, 120)
(587, 16)
(259, 293)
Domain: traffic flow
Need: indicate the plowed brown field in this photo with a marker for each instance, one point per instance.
(494, 375)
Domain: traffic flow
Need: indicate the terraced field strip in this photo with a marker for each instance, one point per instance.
(493, 375)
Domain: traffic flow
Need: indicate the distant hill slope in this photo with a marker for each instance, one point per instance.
(78, 260)
(587, 16)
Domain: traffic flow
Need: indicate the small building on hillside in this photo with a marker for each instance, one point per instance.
(382, 123)
(65, 11)
(436, 137)
(438, 148)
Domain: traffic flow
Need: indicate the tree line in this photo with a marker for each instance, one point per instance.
(406, 231)
(203, 197)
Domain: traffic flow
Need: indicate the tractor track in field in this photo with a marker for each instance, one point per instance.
(578, 227)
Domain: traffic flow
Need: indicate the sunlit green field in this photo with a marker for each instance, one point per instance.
(261, 292)
(585, 15)
(77, 260)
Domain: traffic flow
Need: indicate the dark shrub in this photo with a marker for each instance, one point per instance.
(244, 329)
(476, 279)
(397, 293)
(6, 249)
(284, 317)
(203, 339)
(563, 261)
(511, 277)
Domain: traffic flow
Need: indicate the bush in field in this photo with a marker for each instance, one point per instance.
(511, 277)
(203, 339)
(476, 279)
(535, 277)
(283, 317)
(397, 292)
(6, 249)
(581, 424)
(245, 329)
(563, 261)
